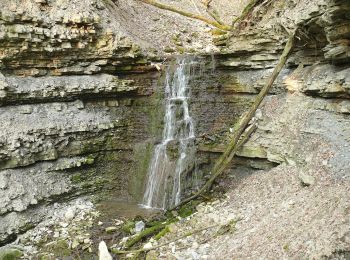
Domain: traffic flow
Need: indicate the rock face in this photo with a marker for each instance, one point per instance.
(81, 98)
(311, 98)
(66, 37)
(71, 107)
(19, 90)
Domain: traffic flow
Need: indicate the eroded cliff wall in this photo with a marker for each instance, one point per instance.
(71, 108)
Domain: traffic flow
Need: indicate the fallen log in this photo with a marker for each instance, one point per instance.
(143, 234)
(115, 251)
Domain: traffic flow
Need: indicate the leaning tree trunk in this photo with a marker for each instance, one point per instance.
(235, 143)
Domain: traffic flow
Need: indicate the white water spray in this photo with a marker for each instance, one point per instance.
(174, 158)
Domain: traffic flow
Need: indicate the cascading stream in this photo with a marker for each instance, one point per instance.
(173, 159)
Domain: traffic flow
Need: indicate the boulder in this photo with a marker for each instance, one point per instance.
(103, 253)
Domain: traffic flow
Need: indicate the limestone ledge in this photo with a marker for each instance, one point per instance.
(19, 188)
(19, 222)
(19, 90)
(32, 133)
(26, 193)
(248, 82)
(326, 81)
(290, 132)
(63, 38)
(337, 29)
(258, 41)
(251, 50)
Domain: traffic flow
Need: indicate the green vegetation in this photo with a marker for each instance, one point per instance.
(10, 254)
(188, 209)
(286, 247)
(128, 226)
(144, 234)
(228, 228)
(59, 248)
(162, 233)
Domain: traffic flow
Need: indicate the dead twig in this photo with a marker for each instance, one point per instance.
(187, 14)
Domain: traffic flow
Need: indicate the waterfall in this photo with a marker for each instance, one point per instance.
(173, 160)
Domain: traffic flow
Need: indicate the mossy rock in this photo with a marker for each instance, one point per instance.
(111, 230)
(188, 209)
(44, 256)
(77, 178)
(185, 211)
(195, 35)
(10, 254)
(128, 226)
(180, 49)
(169, 50)
(124, 68)
(228, 228)
(90, 160)
(155, 222)
(153, 255)
(251, 151)
(59, 248)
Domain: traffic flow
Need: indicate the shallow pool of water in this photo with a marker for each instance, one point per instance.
(125, 210)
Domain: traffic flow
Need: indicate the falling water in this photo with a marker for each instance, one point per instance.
(174, 158)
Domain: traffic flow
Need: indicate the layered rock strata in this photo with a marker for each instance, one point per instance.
(71, 107)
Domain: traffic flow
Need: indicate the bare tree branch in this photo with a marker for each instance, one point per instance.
(187, 14)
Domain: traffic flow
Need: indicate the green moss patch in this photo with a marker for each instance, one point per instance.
(10, 254)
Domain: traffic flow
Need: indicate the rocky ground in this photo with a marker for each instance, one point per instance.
(63, 233)
(276, 214)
